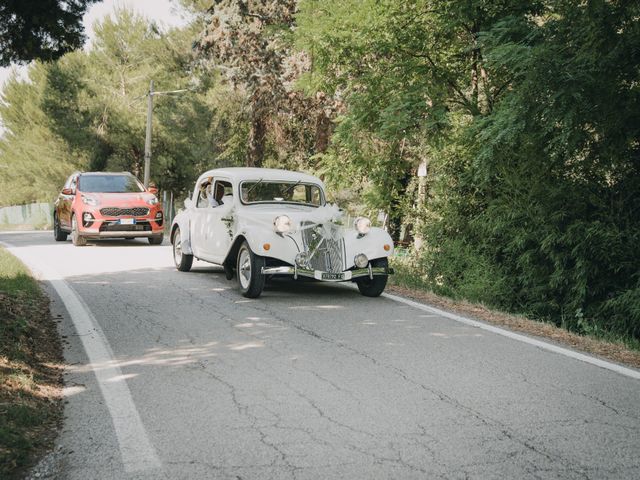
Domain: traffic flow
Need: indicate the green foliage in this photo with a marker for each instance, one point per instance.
(28, 348)
(527, 115)
(42, 29)
(87, 111)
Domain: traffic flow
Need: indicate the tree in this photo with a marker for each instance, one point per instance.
(250, 43)
(87, 110)
(40, 29)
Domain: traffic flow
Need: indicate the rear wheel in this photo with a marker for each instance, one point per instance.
(182, 260)
(58, 234)
(156, 240)
(77, 239)
(249, 271)
(373, 287)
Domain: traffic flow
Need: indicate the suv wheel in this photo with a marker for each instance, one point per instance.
(156, 240)
(58, 234)
(76, 238)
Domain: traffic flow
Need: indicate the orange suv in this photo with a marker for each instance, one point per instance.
(95, 205)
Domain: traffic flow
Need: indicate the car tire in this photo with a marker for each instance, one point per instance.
(249, 272)
(156, 240)
(373, 287)
(77, 239)
(58, 234)
(182, 260)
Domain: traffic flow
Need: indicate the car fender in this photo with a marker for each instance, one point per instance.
(183, 220)
(281, 247)
(372, 245)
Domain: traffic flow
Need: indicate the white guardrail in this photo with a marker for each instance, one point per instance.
(22, 217)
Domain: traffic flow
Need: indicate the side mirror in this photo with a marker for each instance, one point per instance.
(188, 203)
(153, 190)
(67, 191)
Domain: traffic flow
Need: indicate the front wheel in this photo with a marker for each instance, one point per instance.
(58, 234)
(373, 287)
(182, 260)
(249, 270)
(156, 240)
(77, 239)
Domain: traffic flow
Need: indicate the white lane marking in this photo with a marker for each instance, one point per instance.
(135, 447)
(521, 338)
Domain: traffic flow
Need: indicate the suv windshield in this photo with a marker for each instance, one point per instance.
(109, 184)
(260, 191)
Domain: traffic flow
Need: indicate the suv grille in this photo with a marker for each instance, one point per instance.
(326, 246)
(121, 212)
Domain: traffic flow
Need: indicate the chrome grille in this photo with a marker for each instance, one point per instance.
(121, 212)
(325, 246)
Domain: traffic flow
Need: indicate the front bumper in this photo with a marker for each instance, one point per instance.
(126, 226)
(328, 276)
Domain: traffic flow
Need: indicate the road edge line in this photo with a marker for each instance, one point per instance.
(135, 447)
(583, 357)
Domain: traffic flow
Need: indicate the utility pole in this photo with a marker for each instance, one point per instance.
(147, 140)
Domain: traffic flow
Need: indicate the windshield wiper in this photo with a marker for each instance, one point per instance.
(291, 187)
(252, 187)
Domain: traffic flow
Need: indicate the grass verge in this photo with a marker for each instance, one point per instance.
(622, 351)
(30, 370)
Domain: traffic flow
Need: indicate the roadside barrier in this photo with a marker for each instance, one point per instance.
(36, 216)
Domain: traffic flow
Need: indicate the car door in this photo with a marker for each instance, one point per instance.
(199, 214)
(212, 221)
(218, 230)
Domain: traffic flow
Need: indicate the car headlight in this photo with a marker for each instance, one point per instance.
(89, 201)
(283, 224)
(362, 225)
(152, 201)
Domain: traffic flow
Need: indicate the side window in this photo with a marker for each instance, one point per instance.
(213, 193)
(203, 191)
(223, 192)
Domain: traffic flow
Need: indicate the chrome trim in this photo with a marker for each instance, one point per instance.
(317, 274)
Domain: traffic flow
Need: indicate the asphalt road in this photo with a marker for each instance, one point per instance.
(176, 376)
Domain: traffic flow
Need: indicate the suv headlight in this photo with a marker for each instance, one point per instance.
(362, 225)
(152, 201)
(89, 201)
(283, 224)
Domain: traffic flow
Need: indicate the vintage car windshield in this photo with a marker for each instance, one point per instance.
(110, 184)
(270, 191)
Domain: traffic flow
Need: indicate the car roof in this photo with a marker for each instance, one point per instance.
(251, 173)
(106, 173)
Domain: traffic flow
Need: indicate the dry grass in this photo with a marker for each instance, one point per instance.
(30, 370)
(616, 352)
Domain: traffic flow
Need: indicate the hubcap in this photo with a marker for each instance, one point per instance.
(177, 249)
(244, 264)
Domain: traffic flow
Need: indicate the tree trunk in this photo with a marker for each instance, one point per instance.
(255, 150)
(323, 132)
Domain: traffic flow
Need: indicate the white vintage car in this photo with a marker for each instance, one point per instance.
(258, 222)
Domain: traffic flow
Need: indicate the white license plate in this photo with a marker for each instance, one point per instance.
(332, 276)
(127, 221)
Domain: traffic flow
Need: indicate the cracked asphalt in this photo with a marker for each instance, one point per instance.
(314, 381)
